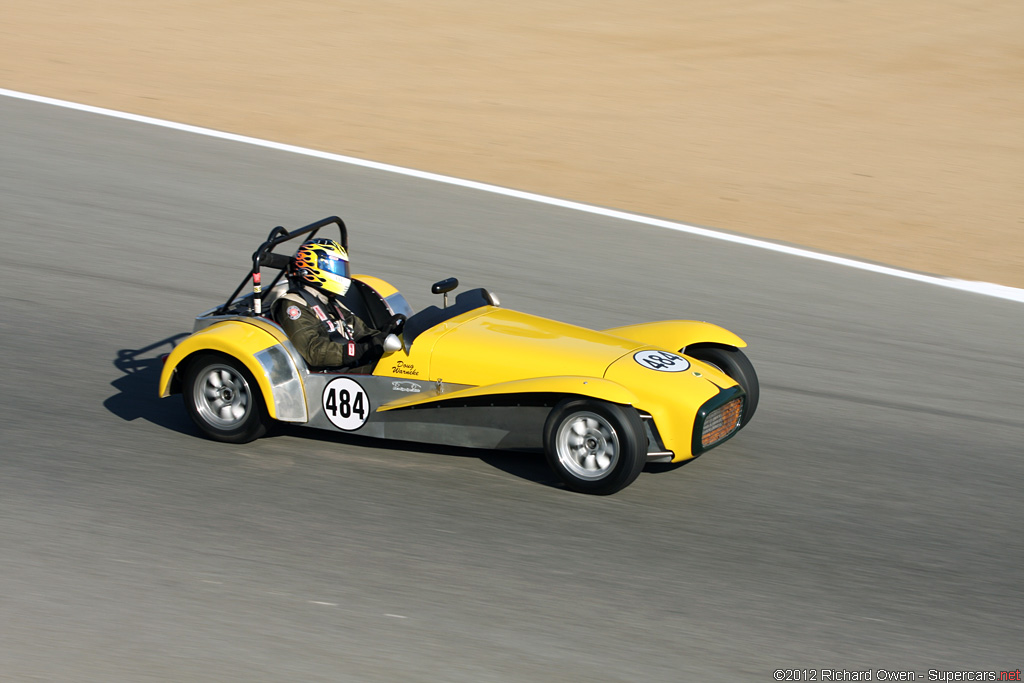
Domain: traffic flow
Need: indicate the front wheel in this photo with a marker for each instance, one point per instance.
(736, 365)
(223, 399)
(594, 446)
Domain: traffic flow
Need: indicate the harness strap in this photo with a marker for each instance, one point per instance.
(337, 332)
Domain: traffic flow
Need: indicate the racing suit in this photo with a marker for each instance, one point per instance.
(341, 339)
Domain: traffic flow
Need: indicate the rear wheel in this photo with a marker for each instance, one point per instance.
(735, 364)
(594, 446)
(223, 399)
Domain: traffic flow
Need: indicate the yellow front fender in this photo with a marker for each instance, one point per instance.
(677, 334)
(234, 338)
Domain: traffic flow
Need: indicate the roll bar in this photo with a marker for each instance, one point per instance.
(264, 257)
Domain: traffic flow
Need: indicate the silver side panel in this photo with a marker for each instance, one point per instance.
(504, 427)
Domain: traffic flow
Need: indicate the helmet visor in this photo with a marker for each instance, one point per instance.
(333, 264)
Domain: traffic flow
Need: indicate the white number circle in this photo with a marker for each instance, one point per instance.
(662, 361)
(346, 404)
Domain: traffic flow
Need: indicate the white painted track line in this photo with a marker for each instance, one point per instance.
(984, 288)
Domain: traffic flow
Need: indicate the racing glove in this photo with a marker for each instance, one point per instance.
(394, 326)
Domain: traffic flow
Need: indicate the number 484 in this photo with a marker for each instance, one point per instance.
(341, 403)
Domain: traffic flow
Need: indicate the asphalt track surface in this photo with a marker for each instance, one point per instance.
(870, 516)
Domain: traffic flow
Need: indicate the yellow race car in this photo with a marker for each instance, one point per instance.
(600, 403)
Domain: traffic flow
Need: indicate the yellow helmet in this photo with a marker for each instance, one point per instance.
(323, 264)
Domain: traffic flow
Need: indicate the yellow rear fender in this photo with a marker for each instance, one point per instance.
(593, 387)
(240, 340)
(677, 334)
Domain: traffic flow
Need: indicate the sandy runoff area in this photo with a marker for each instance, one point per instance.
(888, 131)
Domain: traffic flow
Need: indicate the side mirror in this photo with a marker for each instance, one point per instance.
(443, 287)
(392, 343)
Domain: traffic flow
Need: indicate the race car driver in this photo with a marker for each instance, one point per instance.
(323, 330)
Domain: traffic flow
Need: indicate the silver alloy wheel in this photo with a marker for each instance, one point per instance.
(587, 445)
(221, 396)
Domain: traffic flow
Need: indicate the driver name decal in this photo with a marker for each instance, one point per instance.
(403, 368)
(346, 404)
(662, 361)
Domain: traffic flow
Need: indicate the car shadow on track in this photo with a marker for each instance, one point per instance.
(136, 395)
(659, 467)
(528, 465)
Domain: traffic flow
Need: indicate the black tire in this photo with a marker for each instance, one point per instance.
(223, 399)
(734, 363)
(610, 446)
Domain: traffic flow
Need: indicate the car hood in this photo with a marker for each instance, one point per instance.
(501, 345)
